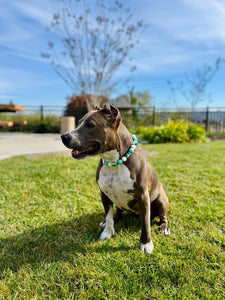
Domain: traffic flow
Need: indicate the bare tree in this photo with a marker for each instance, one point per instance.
(194, 88)
(93, 38)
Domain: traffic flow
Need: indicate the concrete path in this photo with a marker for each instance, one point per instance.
(13, 144)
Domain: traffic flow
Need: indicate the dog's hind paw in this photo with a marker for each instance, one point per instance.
(164, 229)
(102, 224)
(147, 248)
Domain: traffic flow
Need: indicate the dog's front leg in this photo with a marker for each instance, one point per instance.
(116, 218)
(144, 210)
(109, 222)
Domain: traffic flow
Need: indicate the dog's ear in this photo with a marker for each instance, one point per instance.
(112, 113)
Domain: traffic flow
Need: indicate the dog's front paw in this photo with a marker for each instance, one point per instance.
(107, 234)
(147, 248)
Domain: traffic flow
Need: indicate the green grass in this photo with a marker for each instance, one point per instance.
(50, 209)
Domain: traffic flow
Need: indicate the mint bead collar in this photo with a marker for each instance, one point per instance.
(125, 157)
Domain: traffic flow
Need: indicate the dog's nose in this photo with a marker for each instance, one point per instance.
(65, 138)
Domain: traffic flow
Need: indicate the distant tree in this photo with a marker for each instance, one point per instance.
(194, 87)
(142, 100)
(77, 106)
(93, 39)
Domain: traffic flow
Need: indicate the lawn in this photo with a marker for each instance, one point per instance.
(50, 209)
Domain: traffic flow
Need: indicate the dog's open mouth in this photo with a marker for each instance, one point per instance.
(79, 154)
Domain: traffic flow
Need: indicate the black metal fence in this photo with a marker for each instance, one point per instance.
(44, 111)
(213, 119)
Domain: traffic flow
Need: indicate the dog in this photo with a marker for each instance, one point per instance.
(124, 176)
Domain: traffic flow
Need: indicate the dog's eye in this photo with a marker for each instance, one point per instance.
(90, 125)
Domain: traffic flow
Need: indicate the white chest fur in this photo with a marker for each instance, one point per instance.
(115, 182)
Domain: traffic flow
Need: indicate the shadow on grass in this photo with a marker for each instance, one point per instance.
(60, 241)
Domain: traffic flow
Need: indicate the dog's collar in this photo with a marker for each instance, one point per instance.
(124, 158)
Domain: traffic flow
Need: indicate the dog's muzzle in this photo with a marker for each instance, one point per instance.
(66, 139)
(80, 150)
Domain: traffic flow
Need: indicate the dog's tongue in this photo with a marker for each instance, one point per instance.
(82, 153)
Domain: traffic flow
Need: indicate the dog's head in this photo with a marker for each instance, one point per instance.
(96, 133)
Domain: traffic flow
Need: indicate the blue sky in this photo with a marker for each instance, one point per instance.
(181, 36)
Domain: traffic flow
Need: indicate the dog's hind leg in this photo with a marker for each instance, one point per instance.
(160, 207)
(118, 214)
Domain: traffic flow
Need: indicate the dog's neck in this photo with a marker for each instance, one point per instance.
(124, 139)
(111, 156)
(124, 142)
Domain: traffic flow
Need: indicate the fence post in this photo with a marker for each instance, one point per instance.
(42, 113)
(153, 116)
(67, 123)
(207, 118)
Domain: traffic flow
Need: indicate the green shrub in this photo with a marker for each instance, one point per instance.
(172, 132)
(49, 124)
